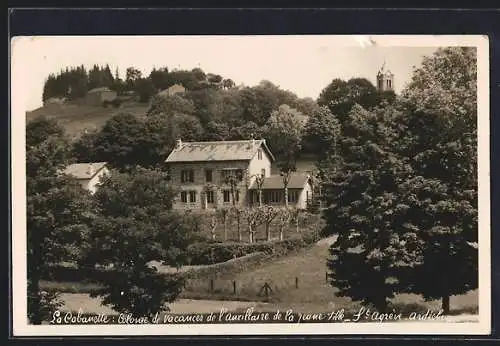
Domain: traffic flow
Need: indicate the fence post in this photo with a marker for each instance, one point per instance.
(326, 277)
(211, 285)
(234, 287)
(296, 282)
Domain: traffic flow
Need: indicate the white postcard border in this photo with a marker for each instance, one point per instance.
(20, 49)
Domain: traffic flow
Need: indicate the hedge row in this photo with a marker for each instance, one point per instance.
(205, 253)
(201, 253)
(229, 267)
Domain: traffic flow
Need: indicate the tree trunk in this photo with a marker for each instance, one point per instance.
(213, 233)
(286, 196)
(281, 232)
(445, 304)
(238, 227)
(268, 232)
(225, 230)
(250, 240)
(260, 198)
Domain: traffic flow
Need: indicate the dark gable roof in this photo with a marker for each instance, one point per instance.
(275, 182)
(218, 151)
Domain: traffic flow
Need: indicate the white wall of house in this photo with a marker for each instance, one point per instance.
(92, 184)
(259, 163)
(304, 195)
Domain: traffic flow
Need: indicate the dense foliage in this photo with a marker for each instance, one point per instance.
(402, 189)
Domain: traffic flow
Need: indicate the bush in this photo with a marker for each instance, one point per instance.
(205, 253)
(219, 270)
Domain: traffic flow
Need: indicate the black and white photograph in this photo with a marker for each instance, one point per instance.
(250, 185)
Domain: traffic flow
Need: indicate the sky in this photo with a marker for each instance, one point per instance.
(301, 64)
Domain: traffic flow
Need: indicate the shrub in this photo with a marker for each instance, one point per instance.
(205, 253)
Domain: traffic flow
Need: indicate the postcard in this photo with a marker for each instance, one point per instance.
(250, 185)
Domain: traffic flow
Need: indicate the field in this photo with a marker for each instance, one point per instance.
(77, 118)
(310, 293)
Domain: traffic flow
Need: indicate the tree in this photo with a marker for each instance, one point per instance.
(148, 230)
(160, 78)
(233, 180)
(340, 96)
(119, 141)
(213, 225)
(321, 133)
(286, 167)
(170, 105)
(283, 220)
(58, 212)
(294, 215)
(228, 83)
(144, 87)
(131, 76)
(223, 214)
(41, 129)
(268, 213)
(366, 212)
(253, 217)
(439, 136)
(284, 132)
(259, 183)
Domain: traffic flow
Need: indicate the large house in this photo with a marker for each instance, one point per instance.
(88, 174)
(203, 171)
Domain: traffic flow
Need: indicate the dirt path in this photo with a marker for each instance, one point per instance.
(76, 301)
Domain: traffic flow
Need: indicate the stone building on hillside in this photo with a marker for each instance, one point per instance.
(201, 169)
(100, 96)
(173, 90)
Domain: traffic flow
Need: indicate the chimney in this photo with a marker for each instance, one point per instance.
(253, 141)
(179, 143)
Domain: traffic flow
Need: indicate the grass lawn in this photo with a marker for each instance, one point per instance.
(313, 292)
(77, 118)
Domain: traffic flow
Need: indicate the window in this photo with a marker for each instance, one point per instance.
(187, 176)
(210, 197)
(236, 196)
(292, 196)
(275, 196)
(226, 173)
(192, 196)
(263, 172)
(208, 175)
(184, 197)
(227, 196)
(259, 154)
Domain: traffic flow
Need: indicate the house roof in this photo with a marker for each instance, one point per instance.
(217, 151)
(84, 170)
(275, 182)
(100, 89)
(171, 90)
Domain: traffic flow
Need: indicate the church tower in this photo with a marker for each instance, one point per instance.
(385, 79)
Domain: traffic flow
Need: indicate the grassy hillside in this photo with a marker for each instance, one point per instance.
(311, 292)
(78, 118)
